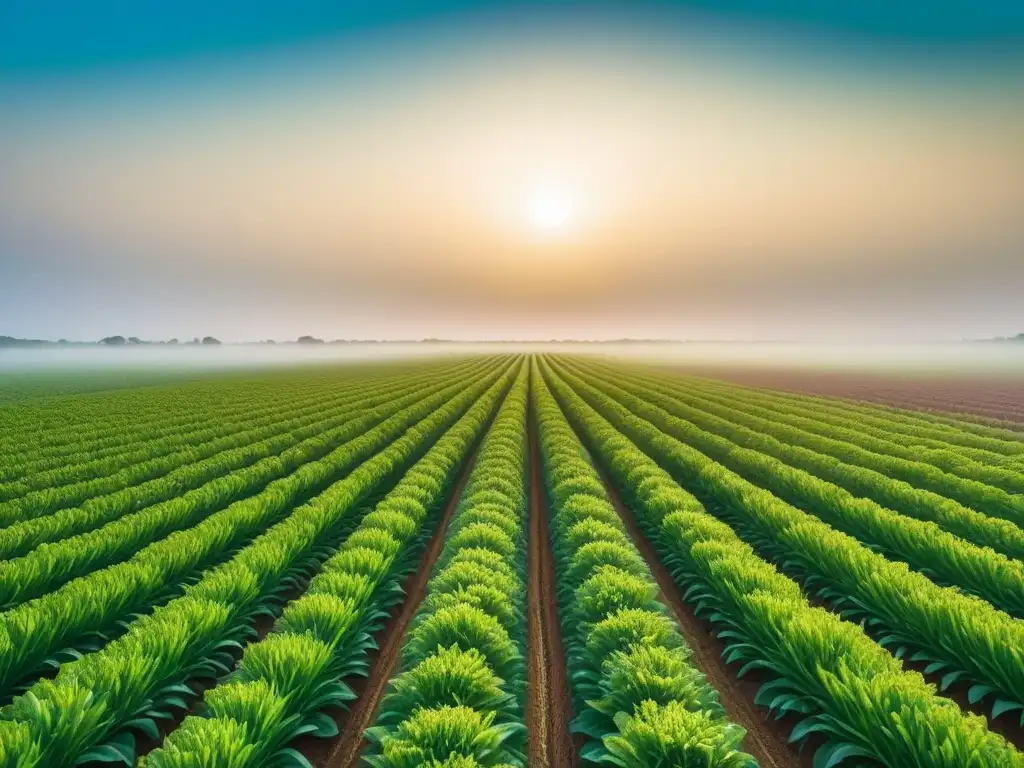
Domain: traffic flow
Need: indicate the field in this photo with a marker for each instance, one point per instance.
(987, 397)
(504, 560)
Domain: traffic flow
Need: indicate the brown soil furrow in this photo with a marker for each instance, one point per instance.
(345, 749)
(548, 705)
(767, 739)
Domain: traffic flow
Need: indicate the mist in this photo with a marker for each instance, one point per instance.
(939, 357)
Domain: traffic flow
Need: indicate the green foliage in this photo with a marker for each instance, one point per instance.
(458, 700)
(468, 627)
(671, 735)
(631, 626)
(435, 735)
(609, 590)
(636, 695)
(848, 688)
(485, 536)
(448, 676)
(201, 743)
(320, 637)
(324, 636)
(653, 672)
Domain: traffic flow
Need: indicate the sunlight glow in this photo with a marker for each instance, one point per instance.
(551, 211)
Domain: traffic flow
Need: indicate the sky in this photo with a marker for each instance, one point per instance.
(484, 170)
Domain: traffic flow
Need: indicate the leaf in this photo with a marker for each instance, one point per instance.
(176, 688)
(978, 692)
(949, 678)
(594, 752)
(375, 734)
(591, 722)
(770, 690)
(806, 727)
(833, 753)
(104, 754)
(1003, 706)
(296, 757)
(174, 701)
(145, 724)
(325, 726)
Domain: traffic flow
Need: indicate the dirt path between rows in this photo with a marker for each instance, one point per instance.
(548, 704)
(345, 749)
(767, 739)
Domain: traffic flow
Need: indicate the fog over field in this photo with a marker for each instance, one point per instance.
(981, 357)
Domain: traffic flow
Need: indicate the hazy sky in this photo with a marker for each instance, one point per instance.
(483, 170)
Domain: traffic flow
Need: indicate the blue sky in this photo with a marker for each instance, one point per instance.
(403, 168)
(54, 36)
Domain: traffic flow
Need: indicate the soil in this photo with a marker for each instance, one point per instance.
(767, 738)
(985, 396)
(548, 705)
(345, 749)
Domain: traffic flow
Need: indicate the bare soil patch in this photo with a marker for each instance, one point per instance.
(548, 706)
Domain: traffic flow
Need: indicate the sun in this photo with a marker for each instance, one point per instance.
(551, 211)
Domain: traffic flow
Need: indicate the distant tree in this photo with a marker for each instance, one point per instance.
(270, 341)
(134, 340)
(195, 340)
(172, 341)
(113, 341)
(210, 340)
(309, 340)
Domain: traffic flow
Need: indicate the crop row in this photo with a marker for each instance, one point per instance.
(168, 471)
(742, 403)
(81, 476)
(152, 415)
(845, 688)
(92, 606)
(72, 482)
(173, 398)
(915, 426)
(880, 470)
(83, 460)
(636, 694)
(718, 435)
(76, 425)
(961, 636)
(459, 695)
(283, 682)
(94, 705)
(946, 558)
(49, 566)
(209, 479)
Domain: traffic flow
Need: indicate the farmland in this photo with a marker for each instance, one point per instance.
(504, 560)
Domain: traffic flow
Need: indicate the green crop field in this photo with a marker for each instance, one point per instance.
(502, 560)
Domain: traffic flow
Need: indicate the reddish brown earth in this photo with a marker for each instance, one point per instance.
(978, 395)
(767, 738)
(346, 748)
(548, 705)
